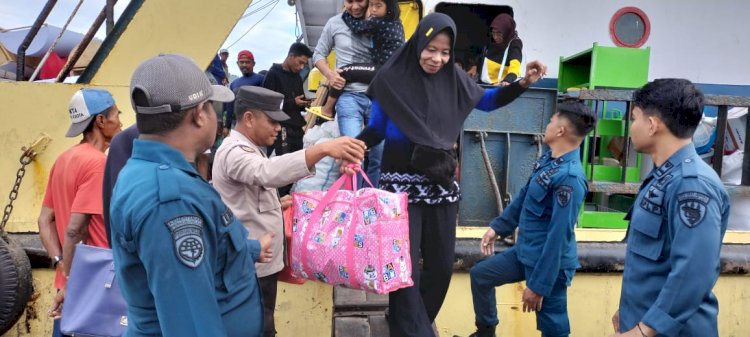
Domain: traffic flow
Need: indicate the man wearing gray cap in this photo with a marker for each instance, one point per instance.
(247, 180)
(183, 260)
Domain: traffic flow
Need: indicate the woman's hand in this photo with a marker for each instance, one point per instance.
(535, 70)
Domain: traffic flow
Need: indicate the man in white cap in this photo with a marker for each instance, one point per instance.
(224, 56)
(184, 263)
(72, 206)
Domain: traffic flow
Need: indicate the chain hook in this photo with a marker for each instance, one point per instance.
(27, 156)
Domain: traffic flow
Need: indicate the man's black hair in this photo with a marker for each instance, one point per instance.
(155, 124)
(300, 49)
(580, 116)
(677, 102)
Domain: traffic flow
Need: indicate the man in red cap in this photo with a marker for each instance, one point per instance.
(246, 63)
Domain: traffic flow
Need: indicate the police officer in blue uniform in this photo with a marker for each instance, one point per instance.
(545, 212)
(677, 222)
(184, 263)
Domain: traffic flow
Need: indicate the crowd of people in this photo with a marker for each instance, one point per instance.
(200, 258)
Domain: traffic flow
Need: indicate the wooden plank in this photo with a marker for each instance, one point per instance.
(351, 326)
(345, 297)
(379, 326)
(348, 298)
(320, 99)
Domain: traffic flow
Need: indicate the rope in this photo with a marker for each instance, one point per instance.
(490, 172)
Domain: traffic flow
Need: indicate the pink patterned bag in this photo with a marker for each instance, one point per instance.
(358, 239)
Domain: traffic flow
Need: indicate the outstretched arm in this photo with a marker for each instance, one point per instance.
(501, 96)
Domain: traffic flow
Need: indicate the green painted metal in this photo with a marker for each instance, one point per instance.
(613, 173)
(599, 219)
(612, 68)
(604, 67)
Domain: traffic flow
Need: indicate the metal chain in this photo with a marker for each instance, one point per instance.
(27, 157)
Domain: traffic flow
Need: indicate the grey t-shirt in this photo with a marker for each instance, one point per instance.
(349, 48)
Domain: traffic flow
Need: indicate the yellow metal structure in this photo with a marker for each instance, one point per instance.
(197, 29)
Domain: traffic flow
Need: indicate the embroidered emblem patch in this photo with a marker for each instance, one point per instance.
(187, 239)
(227, 217)
(663, 181)
(564, 194)
(692, 207)
(653, 200)
(664, 168)
(650, 207)
(545, 178)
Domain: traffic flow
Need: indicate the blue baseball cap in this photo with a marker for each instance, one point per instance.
(85, 104)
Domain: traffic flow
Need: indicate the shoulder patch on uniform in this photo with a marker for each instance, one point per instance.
(187, 239)
(692, 207)
(563, 195)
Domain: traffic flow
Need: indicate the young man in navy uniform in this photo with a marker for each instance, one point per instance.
(677, 222)
(545, 212)
(184, 263)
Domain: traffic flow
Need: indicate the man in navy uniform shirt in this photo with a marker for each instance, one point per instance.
(677, 222)
(545, 212)
(185, 265)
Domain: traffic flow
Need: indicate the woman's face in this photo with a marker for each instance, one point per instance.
(356, 8)
(436, 54)
(497, 36)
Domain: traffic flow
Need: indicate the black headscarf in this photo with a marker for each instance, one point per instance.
(430, 109)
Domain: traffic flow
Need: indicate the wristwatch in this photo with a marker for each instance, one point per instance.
(55, 260)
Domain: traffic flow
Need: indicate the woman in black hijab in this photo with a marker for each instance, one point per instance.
(420, 102)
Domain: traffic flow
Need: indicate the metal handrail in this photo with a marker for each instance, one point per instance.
(54, 43)
(722, 102)
(81, 47)
(21, 53)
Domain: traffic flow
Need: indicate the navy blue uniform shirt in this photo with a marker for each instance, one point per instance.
(184, 263)
(545, 212)
(677, 224)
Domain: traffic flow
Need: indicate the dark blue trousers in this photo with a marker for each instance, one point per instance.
(506, 268)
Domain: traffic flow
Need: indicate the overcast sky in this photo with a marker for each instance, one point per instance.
(276, 30)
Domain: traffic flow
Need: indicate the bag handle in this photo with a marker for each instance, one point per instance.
(317, 213)
(351, 183)
(358, 172)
